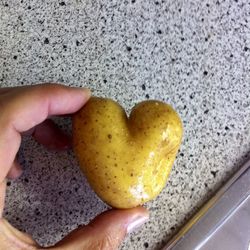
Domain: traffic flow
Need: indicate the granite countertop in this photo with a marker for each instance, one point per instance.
(193, 54)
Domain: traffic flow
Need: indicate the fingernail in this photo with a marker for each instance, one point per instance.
(136, 223)
(15, 171)
(18, 172)
(85, 90)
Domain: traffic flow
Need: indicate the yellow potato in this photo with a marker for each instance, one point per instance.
(126, 160)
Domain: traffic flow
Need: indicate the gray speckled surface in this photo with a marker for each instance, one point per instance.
(193, 54)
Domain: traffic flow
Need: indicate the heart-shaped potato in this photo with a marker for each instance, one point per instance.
(126, 160)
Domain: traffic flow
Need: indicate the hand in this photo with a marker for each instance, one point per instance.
(25, 110)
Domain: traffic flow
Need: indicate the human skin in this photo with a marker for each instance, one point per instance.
(25, 110)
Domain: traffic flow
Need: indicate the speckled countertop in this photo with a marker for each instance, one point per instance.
(193, 54)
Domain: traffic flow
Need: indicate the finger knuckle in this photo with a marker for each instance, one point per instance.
(105, 243)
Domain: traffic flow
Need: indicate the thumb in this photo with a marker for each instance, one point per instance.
(106, 231)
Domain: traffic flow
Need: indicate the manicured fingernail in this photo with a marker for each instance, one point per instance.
(136, 223)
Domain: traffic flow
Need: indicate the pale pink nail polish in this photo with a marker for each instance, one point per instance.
(136, 223)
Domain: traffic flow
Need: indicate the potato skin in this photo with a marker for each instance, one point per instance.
(126, 160)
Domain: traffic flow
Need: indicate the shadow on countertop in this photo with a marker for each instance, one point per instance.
(52, 196)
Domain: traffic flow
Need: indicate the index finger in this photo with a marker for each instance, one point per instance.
(24, 108)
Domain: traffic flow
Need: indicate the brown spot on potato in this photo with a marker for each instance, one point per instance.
(129, 145)
(155, 172)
